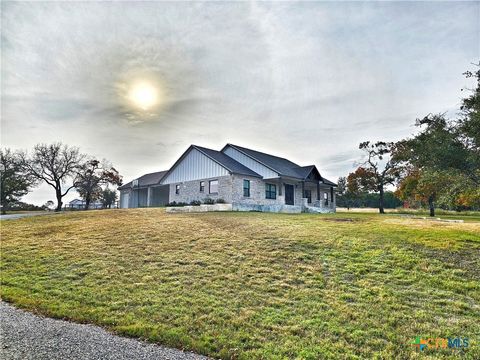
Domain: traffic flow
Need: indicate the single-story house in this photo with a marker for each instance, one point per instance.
(80, 204)
(145, 191)
(246, 178)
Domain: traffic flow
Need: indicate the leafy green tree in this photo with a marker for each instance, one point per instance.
(15, 182)
(468, 127)
(108, 197)
(445, 154)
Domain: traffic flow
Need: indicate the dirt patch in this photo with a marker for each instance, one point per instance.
(341, 220)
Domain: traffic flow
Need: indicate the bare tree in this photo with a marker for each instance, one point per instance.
(55, 164)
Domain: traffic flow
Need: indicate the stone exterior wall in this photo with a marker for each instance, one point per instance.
(190, 190)
(257, 191)
(230, 189)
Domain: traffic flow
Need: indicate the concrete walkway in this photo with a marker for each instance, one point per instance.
(27, 336)
(22, 215)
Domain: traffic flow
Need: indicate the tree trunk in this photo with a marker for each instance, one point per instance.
(58, 193)
(87, 202)
(381, 200)
(431, 205)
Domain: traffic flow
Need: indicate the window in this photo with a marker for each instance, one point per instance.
(202, 186)
(308, 195)
(213, 187)
(325, 197)
(246, 188)
(270, 191)
(177, 189)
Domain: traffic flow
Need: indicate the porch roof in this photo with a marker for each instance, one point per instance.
(146, 180)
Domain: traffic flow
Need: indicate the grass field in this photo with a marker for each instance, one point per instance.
(253, 285)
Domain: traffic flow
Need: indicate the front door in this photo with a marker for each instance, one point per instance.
(289, 194)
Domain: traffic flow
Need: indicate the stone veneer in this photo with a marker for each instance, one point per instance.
(230, 189)
(190, 190)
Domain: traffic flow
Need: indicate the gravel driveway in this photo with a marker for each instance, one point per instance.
(22, 215)
(27, 336)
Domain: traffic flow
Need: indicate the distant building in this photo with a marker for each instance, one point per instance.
(80, 204)
(245, 178)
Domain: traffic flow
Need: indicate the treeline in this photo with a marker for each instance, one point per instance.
(60, 166)
(437, 167)
(369, 200)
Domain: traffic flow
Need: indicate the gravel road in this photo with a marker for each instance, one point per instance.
(27, 336)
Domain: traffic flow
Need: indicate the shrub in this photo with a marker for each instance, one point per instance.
(208, 201)
(195, 202)
(174, 203)
(220, 201)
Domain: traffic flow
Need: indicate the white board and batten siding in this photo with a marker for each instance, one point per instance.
(124, 199)
(195, 166)
(250, 163)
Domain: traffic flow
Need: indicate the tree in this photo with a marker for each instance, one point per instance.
(48, 205)
(55, 164)
(90, 178)
(108, 197)
(14, 181)
(344, 196)
(341, 185)
(445, 162)
(424, 187)
(469, 126)
(376, 172)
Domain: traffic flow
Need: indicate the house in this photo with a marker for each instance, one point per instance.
(246, 178)
(80, 204)
(145, 191)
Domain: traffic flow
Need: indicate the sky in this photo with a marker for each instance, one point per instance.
(303, 80)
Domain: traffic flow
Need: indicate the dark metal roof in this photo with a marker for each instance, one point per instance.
(282, 166)
(328, 182)
(146, 180)
(304, 171)
(227, 162)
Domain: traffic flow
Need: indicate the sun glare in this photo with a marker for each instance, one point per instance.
(144, 95)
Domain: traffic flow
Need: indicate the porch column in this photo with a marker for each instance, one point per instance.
(149, 191)
(318, 190)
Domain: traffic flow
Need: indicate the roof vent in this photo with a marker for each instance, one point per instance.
(135, 182)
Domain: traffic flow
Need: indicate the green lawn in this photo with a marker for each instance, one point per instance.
(253, 285)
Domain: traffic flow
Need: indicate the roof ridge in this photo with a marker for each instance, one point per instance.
(221, 163)
(261, 152)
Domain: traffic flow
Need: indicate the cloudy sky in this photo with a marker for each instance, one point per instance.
(137, 83)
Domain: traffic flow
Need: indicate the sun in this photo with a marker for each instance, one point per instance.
(144, 95)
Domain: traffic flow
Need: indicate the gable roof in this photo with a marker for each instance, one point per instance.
(231, 165)
(227, 162)
(282, 166)
(304, 171)
(328, 182)
(146, 180)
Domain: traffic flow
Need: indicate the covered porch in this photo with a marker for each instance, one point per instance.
(150, 196)
(305, 193)
(309, 190)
